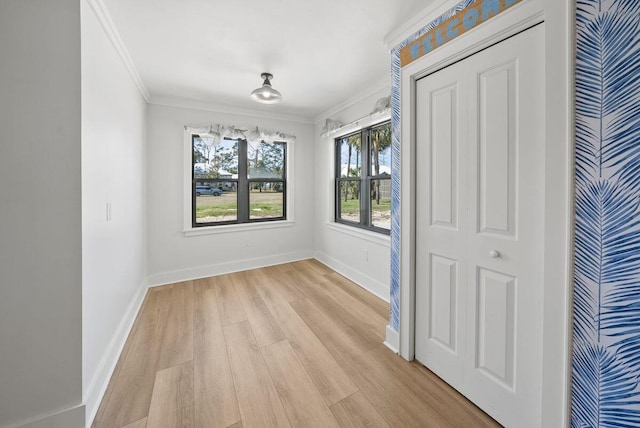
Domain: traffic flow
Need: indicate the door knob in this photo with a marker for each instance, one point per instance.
(494, 254)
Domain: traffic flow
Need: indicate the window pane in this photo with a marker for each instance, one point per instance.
(381, 203)
(350, 201)
(266, 160)
(214, 160)
(266, 200)
(381, 150)
(350, 156)
(216, 202)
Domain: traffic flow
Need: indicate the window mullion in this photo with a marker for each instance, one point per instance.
(337, 174)
(193, 199)
(365, 203)
(243, 183)
(193, 183)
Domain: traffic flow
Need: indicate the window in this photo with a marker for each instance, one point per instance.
(363, 178)
(235, 181)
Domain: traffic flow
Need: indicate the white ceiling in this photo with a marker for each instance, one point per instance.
(321, 53)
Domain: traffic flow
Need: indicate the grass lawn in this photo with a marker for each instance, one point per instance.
(380, 213)
(352, 206)
(270, 205)
(225, 207)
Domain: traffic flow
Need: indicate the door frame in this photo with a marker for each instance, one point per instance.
(557, 16)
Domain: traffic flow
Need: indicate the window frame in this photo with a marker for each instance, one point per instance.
(191, 228)
(365, 179)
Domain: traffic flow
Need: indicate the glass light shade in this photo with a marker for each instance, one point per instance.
(266, 94)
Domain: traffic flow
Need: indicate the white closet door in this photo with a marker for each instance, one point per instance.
(479, 215)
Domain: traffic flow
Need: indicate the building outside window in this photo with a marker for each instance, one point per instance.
(235, 181)
(363, 178)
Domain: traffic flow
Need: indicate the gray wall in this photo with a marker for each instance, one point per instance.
(40, 209)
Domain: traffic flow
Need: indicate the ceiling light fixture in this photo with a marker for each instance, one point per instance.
(266, 94)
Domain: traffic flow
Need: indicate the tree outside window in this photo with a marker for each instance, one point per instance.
(363, 165)
(235, 181)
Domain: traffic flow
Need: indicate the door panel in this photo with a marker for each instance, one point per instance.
(495, 329)
(498, 147)
(443, 166)
(443, 219)
(444, 288)
(479, 226)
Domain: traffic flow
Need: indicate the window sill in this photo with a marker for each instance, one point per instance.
(231, 228)
(376, 238)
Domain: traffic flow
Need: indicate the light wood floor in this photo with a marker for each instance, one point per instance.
(294, 345)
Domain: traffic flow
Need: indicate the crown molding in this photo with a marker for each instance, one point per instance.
(412, 26)
(101, 12)
(372, 90)
(177, 102)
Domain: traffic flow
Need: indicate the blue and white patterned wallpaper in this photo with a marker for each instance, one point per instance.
(395, 156)
(606, 331)
(606, 345)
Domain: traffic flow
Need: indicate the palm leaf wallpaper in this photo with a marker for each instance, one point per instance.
(394, 316)
(606, 349)
(606, 327)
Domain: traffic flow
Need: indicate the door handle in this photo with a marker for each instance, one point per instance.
(494, 254)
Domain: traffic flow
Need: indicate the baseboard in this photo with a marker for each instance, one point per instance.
(227, 267)
(392, 340)
(370, 284)
(69, 418)
(100, 381)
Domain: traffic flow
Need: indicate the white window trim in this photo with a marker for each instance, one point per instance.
(363, 234)
(230, 228)
(188, 228)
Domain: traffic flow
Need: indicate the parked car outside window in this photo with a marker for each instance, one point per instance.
(207, 190)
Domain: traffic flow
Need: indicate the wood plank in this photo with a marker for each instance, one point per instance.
(372, 322)
(281, 268)
(301, 399)
(172, 400)
(362, 333)
(231, 311)
(133, 384)
(215, 399)
(421, 382)
(388, 396)
(265, 329)
(356, 411)
(121, 361)
(280, 284)
(260, 405)
(268, 289)
(314, 265)
(345, 293)
(332, 382)
(376, 304)
(177, 341)
(330, 331)
(142, 423)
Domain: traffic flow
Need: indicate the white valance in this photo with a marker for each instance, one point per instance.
(219, 132)
(381, 111)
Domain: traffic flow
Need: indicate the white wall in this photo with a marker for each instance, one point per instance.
(174, 257)
(343, 247)
(114, 172)
(40, 217)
